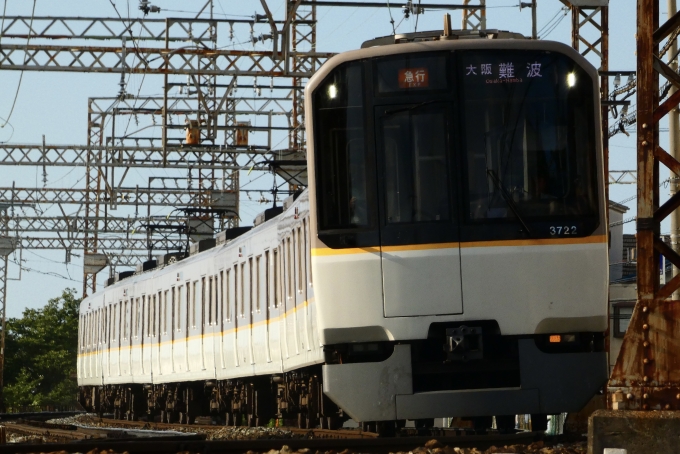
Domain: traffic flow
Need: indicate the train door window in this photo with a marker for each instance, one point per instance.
(113, 322)
(154, 310)
(258, 282)
(167, 315)
(251, 300)
(125, 322)
(267, 282)
(308, 246)
(178, 315)
(242, 290)
(227, 296)
(193, 304)
(145, 316)
(222, 299)
(215, 299)
(289, 269)
(236, 290)
(211, 300)
(203, 301)
(173, 310)
(188, 309)
(300, 260)
(416, 182)
(137, 317)
(276, 278)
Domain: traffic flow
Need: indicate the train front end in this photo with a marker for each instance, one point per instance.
(458, 228)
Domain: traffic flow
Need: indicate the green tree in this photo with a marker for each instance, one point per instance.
(41, 349)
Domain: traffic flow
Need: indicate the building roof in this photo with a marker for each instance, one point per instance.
(618, 207)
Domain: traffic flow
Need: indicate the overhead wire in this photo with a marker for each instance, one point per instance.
(21, 75)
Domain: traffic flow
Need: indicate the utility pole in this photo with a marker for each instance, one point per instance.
(673, 144)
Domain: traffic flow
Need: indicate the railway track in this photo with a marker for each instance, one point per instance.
(323, 445)
(297, 433)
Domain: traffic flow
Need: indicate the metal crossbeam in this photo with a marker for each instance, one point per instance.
(148, 60)
(209, 157)
(622, 177)
(125, 196)
(111, 245)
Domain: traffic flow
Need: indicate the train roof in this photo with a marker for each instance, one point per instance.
(436, 35)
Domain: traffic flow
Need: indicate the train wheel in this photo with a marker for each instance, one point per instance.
(505, 423)
(481, 424)
(386, 428)
(539, 422)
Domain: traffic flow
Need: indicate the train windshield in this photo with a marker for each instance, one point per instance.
(456, 146)
(529, 135)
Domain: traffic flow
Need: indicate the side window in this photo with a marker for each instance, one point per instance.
(213, 301)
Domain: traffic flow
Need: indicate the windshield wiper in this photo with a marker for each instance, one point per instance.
(416, 106)
(508, 199)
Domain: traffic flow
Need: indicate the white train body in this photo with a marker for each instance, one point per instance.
(240, 320)
(492, 305)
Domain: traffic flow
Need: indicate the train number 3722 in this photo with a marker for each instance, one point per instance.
(562, 230)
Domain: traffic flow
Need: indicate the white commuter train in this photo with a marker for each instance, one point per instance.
(449, 257)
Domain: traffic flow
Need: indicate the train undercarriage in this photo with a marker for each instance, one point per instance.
(294, 398)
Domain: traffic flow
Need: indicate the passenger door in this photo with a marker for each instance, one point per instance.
(419, 233)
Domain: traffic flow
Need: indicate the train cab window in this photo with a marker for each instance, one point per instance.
(529, 139)
(341, 156)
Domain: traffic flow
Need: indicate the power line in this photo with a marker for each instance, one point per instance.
(21, 76)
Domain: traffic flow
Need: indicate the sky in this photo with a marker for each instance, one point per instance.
(55, 104)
